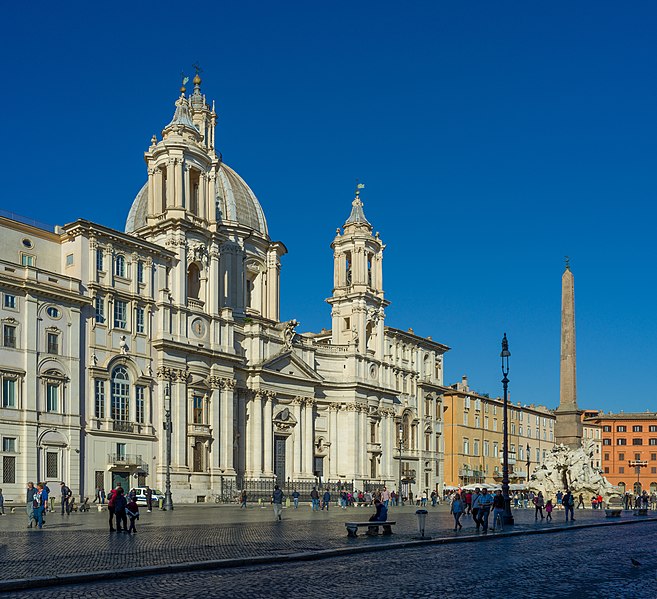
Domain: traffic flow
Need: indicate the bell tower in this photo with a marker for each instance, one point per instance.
(357, 302)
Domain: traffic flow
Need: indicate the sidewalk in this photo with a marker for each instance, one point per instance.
(80, 544)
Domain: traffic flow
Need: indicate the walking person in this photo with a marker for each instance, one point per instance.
(476, 505)
(456, 509)
(40, 504)
(243, 499)
(132, 510)
(314, 498)
(548, 510)
(2, 504)
(539, 504)
(120, 503)
(111, 503)
(295, 498)
(498, 508)
(102, 496)
(467, 495)
(149, 499)
(277, 502)
(29, 506)
(568, 502)
(485, 504)
(581, 501)
(66, 494)
(326, 500)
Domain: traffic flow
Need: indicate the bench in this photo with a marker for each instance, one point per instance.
(352, 527)
(9, 503)
(613, 512)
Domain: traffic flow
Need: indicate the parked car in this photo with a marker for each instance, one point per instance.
(141, 495)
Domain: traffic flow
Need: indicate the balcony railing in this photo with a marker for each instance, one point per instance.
(195, 303)
(128, 460)
(123, 426)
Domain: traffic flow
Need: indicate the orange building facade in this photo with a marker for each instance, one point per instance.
(629, 449)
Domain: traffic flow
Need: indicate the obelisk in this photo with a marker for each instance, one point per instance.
(568, 428)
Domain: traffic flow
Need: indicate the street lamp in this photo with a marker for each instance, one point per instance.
(400, 443)
(508, 517)
(168, 503)
(529, 461)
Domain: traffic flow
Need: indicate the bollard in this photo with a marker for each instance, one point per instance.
(421, 520)
(160, 503)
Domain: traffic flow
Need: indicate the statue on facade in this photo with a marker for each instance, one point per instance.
(123, 345)
(289, 333)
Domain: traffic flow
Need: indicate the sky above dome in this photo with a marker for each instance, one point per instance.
(494, 138)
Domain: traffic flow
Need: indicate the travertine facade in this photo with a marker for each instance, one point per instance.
(102, 323)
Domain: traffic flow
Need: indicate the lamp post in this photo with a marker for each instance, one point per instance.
(508, 517)
(529, 462)
(400, 444)
(168, 503)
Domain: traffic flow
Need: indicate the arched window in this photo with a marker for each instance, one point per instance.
(193, 281)
(120, 394)
(407, 430)
(119, 266)
(348, 267)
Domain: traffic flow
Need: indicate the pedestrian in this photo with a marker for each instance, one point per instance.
(456, 509)
(498, 507)
(425, 498)
(476, 505)
(29, 506)
(559, 499)
(149, 499)
(485, 504)
(2, 504)
(548, 510)
(468, 502)
(277, 502)
(381, 515)
(434, 498)
(132, 510)
(40, 504)
(66, 494)
(385, 497)
(594, 502)
(243, 499)
(581, 501)
(569, 505)
(295, 498)
(314, 499)
(97, 496)
(326, 500)
(539, 504)
(600, 502)
(51, 500)
(111, 502)
(120, 503)
(102, 496)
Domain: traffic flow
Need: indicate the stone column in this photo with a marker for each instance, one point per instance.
(297, 439)
(178, 170)
(333, 470)
(215, 422)
(256, 437)
(308, 438)
(227, 387)
(202, 192)
(365, 456)
(268, 438)
(151, 191)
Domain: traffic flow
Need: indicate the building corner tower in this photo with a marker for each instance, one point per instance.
(568, 427)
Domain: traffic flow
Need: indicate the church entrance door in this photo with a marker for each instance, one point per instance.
(279, 459)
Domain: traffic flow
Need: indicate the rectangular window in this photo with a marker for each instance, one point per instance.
(652, 441)
(140, 320)
(652, 428)
(140, 272)
(466, 447)
(10, 301)
(120, 451)
(53, 343)
(52, 464)
(637, 428)
(120, 314)
(486, 448)
(9, 335)
(99, 398)
(100, 309)
(475, 447)
(494, 424)
(52, 399)
(8, 393)
(496, 450)
(9, 444)
(637, 456)
(606, 469)
(606, 457)
(494, 409)
(653, 470)
(477, 421)
(637, 441)
(519, 429)
(606, 441)
(606, 429)
(513, 428)
(119, 266)
(486, 421)
(27, 260)
(99, 260)
(8, 469)
(621, 441)
(69, 260)
(197, 409)
(140, 404)
(621, 429)
(653, 457)
(621, 470)
(465, 419)
(621, 456)
(538, 456)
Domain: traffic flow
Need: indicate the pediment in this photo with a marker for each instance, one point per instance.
(289, 364)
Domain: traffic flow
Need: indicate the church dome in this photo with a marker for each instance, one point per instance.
(235, 204)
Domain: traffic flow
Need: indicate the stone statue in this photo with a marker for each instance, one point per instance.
(123, 345)
(289, 333)
(566, 468)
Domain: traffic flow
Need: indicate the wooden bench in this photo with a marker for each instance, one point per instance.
(352, 527)
(613, 512)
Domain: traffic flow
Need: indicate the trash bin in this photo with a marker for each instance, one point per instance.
(160, 503)
(421, 520)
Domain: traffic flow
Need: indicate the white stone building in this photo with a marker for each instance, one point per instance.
(100, 325)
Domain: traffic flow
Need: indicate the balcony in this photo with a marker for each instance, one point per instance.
(123, 426)
(131, 462)
(374, 447)
(195, 304)
(512, 458)
(199, 430)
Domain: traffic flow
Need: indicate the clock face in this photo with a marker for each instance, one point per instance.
(198, 328)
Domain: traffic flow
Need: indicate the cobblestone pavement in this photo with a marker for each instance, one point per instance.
(81, 542)
(576, 563)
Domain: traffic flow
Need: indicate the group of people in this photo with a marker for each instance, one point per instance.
(39, 499)
(479, 505)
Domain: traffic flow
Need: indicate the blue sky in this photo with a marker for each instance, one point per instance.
(493, 138)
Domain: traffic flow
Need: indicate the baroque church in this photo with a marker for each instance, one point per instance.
(102, 331)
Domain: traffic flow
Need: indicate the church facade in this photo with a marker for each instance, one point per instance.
(102, 329)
